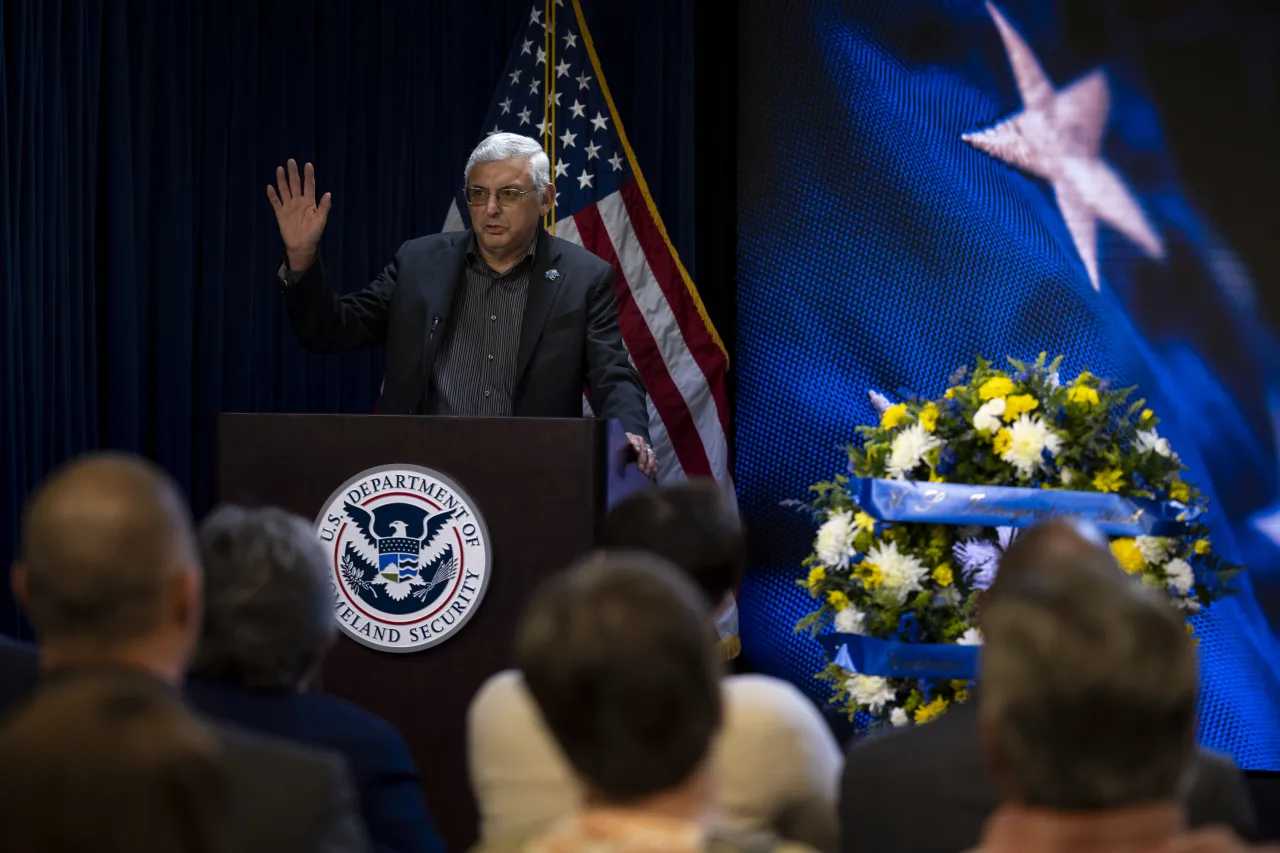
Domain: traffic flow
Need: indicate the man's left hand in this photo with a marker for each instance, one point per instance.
(647, 460)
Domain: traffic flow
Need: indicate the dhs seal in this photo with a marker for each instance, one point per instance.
(410, 557)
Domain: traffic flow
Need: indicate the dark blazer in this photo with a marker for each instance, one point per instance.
(569, 339)
(925, 789)
(284, 798)
(383, 770)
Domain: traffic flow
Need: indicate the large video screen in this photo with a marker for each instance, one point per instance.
(924, 182)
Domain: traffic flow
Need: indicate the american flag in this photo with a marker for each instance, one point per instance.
(553, 89)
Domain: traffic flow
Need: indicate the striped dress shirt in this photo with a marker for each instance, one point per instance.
(474, 373)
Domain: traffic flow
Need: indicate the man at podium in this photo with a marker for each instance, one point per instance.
(503, 319)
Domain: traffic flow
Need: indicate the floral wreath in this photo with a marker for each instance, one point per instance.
(884, 582)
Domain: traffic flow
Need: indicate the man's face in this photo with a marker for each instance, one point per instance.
(506, 225)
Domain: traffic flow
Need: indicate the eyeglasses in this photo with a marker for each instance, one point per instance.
(507, 196)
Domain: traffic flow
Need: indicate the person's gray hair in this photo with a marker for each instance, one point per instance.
(1087, 689)
(268, 619)
(512, 146)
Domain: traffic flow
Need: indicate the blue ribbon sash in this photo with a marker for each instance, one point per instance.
(1004, 506)
(890, 659)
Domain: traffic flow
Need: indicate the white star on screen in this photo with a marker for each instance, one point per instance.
(1058, 137)
(542, 56)
(578, 109)
(567, 139)
(562, 168)
(562, 69)
(556, 98)
(506, 106)
(533, 86)
(542, 126)
(524, 115)
(616, 162)
(583, 80)
(515, 76)
(525, 47)
(535, 17)
(584, 180)
(600, 121)
(570, 40)
(496, 129)
(593, 151)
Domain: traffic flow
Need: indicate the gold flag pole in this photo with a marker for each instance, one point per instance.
(549, 101)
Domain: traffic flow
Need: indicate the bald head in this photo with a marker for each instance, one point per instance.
(106, 545)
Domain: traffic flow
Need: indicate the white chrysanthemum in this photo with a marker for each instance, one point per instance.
(1031, 437)
(871, 691)
(972, 637)
(1155, 549)
(1180, 574)
(1187, 605)
(1149, 441)
(850, 621)
(834, 542)
(908, 450)
(899, 573)
(899, 717)
(987, 418)
(1066, 477)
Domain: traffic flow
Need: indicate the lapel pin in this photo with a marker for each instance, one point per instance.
(553, 274)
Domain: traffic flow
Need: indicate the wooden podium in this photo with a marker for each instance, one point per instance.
(542, 486)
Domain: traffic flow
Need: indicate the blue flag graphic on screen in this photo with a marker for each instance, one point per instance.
(923, 182)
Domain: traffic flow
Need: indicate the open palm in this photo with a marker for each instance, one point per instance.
(301, 220)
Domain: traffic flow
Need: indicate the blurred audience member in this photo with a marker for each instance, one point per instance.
(267, 626)
(19, 670)
(615, 653)
(1088, 713)
(937, 768)
(111, 581)
(776, 759)
(112, 766)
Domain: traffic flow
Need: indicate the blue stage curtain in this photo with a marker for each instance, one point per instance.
(137, 246)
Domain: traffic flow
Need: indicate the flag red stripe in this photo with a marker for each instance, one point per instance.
(697, 338)
(666, 397)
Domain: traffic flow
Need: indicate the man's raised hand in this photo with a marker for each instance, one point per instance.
(301, 220)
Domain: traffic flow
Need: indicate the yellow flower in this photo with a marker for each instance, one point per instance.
(1015, 406)
(1084, 377)
(997, 386)
(935, 477)
(962, 695)
(929, 417)
(1109, 481)
(870, 575)
(931, 711)
(816, 576)
(1002, 442)
(1180, 492)
(1083, 395)
(952, 392)
(959, 684)
(1128, 555)
(1191, 630)
(838, 600)
(943, 575)
(864, 522)
(1203, 546)
(1147, 415)
(893, 416)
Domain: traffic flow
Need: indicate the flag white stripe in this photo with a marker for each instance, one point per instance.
(681, 365)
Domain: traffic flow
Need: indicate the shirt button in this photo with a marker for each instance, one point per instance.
(493, 316)
(486, 393)
(491, 356)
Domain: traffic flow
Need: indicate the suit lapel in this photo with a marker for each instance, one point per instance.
(542, 295)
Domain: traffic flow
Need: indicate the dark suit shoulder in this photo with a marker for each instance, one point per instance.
(571, 254)
(277, 756)
(357, 724)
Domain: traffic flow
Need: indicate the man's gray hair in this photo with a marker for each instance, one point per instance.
(268, 619)
(1088, 689)
(511, 146)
